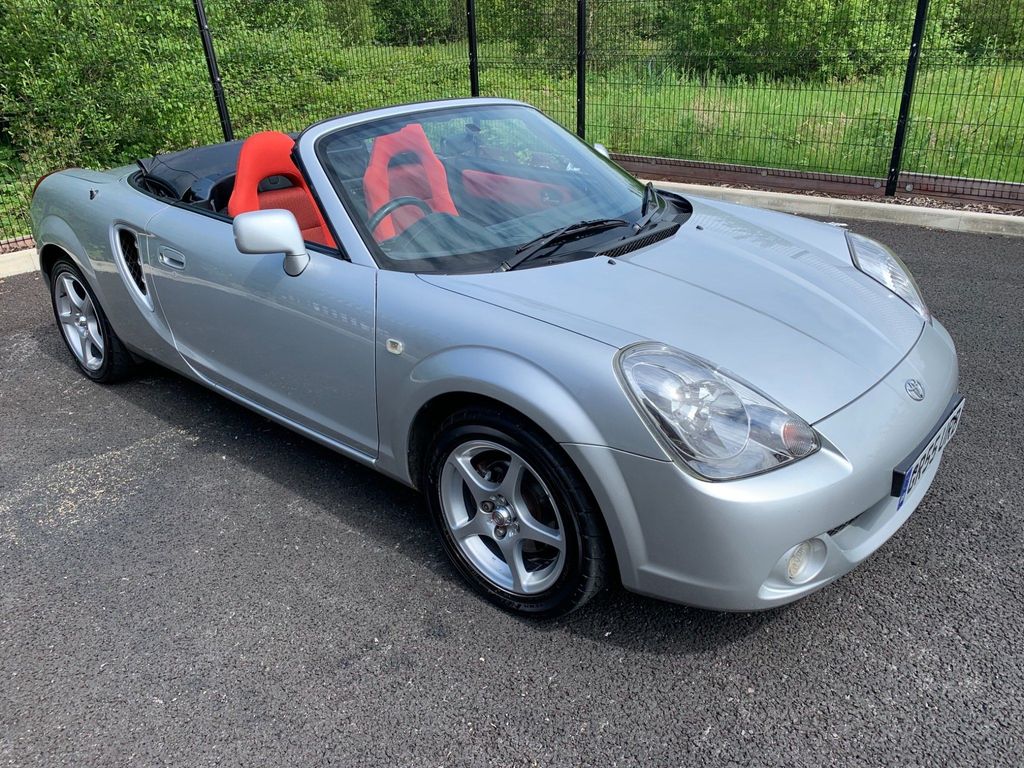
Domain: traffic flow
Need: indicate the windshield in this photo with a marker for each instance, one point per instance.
(460, 189)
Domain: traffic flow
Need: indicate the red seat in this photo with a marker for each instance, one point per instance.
(270, 154)
(419, 174)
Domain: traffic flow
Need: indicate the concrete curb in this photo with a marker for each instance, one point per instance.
(18, 263)
(827, 207)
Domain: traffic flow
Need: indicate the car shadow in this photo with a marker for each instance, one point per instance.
(356, 495)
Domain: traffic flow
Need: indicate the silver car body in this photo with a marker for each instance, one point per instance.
(311, 352)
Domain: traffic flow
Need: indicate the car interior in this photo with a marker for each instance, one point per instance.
(393, 180)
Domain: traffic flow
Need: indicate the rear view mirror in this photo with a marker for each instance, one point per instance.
(602, 150)
(272, 231)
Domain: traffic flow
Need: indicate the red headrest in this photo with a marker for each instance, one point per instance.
(377, 182)
(270, 154)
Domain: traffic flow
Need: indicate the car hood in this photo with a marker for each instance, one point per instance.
(771, 298)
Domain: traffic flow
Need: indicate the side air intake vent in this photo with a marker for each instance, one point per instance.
(132, 260)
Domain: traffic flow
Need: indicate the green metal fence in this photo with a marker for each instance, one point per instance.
(856, 95)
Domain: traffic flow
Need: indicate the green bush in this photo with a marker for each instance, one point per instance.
(544, 31)
(981, 28)
(348, 22)
(418, 22)
(787, 38)
(85, 82)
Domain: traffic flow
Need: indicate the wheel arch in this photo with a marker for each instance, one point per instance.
(448, 380)
(48, 256)
(54, 239)
(435, 411)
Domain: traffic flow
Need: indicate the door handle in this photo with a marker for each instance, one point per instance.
(172, 258)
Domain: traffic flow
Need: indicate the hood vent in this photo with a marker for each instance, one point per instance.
(636, 242)
(129, 244)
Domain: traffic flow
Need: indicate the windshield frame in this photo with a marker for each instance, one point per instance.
(321, 132)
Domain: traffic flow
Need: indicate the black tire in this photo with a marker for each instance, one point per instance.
(118, 363)
(586, 565)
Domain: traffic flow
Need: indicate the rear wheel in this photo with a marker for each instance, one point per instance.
(514, 515)
(97, 350)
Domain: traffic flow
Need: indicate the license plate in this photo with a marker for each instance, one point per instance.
(907, 475)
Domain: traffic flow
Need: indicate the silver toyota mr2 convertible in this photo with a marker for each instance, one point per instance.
(589, 378)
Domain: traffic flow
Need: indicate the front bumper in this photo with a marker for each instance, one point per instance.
(723, 545)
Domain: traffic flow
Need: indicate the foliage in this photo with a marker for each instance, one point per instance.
(812, 39)
(545, 30)
(981, 28)
(787, 38)
(417, 22)
(807, 84)
(352, 22)
(104, 85)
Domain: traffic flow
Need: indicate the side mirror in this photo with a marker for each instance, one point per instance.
(272, 231)
(602, 150)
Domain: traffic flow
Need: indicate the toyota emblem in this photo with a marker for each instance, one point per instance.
(915, 389)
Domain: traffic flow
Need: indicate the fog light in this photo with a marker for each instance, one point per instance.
(805, 561)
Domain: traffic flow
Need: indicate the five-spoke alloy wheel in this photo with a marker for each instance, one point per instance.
(514, 514)
(77, 317)
(97, 350)
(503, 517)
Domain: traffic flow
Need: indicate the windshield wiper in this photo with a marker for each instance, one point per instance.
(650, 210)
(529, 250)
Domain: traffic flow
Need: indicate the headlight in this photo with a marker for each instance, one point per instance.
(721, 427)
(881, 264)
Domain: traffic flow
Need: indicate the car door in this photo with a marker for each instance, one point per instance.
(301, 347)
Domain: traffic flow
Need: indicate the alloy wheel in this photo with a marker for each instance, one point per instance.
(78, 320)
(502, 517)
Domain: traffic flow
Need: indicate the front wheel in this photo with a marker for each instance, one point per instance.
(514, 515)
(97, 350)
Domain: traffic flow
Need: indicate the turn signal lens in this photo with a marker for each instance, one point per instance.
(883, 266)
(798, 438)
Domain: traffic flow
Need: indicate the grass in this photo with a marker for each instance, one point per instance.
(966, 121)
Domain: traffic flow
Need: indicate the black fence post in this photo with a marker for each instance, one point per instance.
(474, 58)
(211, 64)
(895, 164)
(581, 68)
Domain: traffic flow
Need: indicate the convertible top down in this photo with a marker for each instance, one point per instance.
(589, 378)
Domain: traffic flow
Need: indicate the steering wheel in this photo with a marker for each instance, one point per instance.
(393, 205)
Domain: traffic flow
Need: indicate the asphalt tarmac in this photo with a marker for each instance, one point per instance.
(184, 583)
